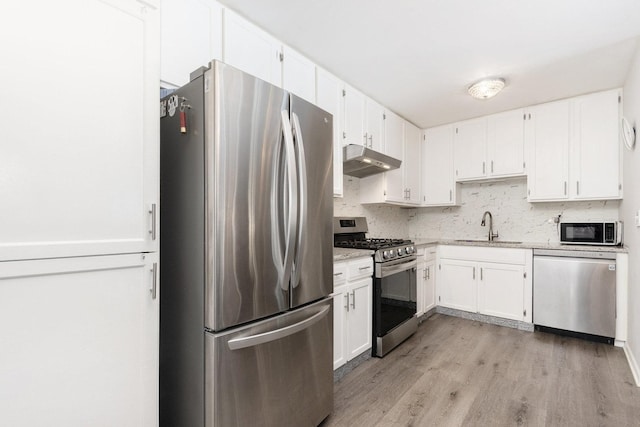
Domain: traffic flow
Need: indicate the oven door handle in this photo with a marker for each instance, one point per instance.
(388, 270)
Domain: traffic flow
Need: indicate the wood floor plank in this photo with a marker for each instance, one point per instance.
(457, 372)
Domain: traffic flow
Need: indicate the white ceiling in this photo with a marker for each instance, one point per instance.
(417, 57)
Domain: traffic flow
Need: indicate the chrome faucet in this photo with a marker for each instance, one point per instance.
(484, 217)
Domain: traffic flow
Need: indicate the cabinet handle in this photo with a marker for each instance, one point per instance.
(347, 297)
(474, 273)
(578, 187)
(565, 188)
(424, 274)
(370, 141)
(154, 281)
(450, 195)
(483, 167)
(428, 272)
(363, 268)
(337, 274)
(481, 273)
(152, 211)
(491, 166)
(353, 299)
(365, 139)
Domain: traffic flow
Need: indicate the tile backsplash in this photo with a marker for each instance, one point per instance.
(513, 217)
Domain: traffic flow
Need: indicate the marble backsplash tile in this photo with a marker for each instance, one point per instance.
(513, 217)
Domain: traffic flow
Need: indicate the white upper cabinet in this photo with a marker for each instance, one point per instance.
(399, 186)
(411, 163)
(251, 49)
(79, 163)
(354, 117)
(363, 120)
(329, 98)
(298, 74)
(574, 148)
(505, 144)
(470, 149)
(490, 147)
(191, 38)
(438, 184)
(595, 147)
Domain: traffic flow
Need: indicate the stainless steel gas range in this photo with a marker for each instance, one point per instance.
(394, 296)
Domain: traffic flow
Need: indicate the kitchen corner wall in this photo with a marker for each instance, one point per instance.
(513, 217)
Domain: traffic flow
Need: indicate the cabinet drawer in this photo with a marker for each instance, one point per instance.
(362, 267)
(484, 254)
(339, 274)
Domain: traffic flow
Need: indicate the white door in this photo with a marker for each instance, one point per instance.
(438, 180)
(505, 143)
(547, 136)
(329, 98)
(298, 74)
(394, 147)
(359, 318)
(79, 161)
(412, 163)
(595, 147)
(79, 339)
(501, 291)
(374, 127)
(250, 49)
(457, 285)
(429, 286)
(470, 142)
(339, 327)
(354, 117)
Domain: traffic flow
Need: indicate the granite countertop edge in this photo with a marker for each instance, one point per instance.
(425, 242)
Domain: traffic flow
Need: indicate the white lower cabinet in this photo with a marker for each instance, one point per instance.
(79, 339)
(352, 305)
(491, 281)
(426, 280)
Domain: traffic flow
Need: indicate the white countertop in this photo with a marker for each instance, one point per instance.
(341, 254)
(423, 242)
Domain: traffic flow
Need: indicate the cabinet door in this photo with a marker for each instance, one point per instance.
(80, 160)
(547, 136)
(501, 290)
(339, 327)
(250, 49)
(298, 74)
(438, 179)
(429, 286)
(184, 51)
(394, 137)
(354, 117)
(79, 341)
(412, 163)
(505, 143)
(374, 128)
(329, 98)
(421, 276)
(457, 285)
(595, 147)
(359, 318)
(470, 142)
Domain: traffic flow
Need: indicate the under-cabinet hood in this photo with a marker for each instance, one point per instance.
(360, 161)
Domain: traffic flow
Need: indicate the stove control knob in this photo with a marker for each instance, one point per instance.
(385, 254)
(400, 252)
(407, 250)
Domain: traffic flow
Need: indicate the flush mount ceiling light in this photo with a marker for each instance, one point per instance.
(486, 88)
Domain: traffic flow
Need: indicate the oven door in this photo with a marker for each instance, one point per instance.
(395, 294)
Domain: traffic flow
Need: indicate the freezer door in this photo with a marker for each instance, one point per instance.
(274, 373)
(246, 195)
(312, 276)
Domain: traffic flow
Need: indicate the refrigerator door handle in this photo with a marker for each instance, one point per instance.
(302, 194)
(292, 222)
(253, 340)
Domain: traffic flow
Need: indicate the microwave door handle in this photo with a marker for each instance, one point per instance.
(302, 197)
(265, 337)
(292, 221)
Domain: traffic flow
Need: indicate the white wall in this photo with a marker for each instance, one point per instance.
(628, 208)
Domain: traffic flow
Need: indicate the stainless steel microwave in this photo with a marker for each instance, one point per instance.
(591, 233)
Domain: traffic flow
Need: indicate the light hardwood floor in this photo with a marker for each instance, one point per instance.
(457, 372)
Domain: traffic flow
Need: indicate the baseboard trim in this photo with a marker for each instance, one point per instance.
(633, 364)
(515, 324)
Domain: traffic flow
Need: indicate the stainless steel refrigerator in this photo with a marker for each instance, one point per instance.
(246, 253)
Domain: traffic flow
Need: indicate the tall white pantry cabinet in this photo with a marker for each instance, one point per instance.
(79, 188)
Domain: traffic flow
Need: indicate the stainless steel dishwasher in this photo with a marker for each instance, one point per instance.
(575, 291)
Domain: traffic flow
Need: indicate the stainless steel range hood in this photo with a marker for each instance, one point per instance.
(360, 161)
